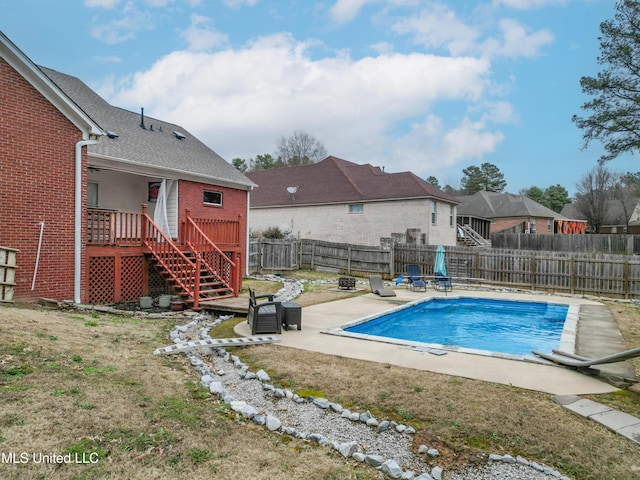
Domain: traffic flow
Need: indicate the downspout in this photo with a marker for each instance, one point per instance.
(77, 272)
(248, 239)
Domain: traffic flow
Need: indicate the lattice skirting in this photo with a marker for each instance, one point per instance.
(121, 278)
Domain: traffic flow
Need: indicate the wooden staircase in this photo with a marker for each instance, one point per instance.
(201, 273)
(472, 238)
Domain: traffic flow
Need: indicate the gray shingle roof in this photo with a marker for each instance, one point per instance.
(614, 212)
(503, 205)
(334, 180)
(157, 147)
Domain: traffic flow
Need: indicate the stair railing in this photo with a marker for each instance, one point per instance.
(478, 239)
(211, 256)
(184, 272)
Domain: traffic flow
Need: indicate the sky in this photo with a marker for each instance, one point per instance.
(430, 87)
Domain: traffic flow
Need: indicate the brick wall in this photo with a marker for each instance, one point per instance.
(37, 157)
(234, 207)
(542, 224)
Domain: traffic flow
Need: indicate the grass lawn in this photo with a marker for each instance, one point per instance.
(88, 386)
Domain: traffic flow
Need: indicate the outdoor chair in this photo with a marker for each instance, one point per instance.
(264, 317)
(442, 283)
(377, 287)
(415, 282)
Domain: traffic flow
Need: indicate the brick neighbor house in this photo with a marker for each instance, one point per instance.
(490, 212)
(106, 205)
(341, 201)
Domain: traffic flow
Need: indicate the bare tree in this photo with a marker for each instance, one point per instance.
(592, 193)
(300, 149)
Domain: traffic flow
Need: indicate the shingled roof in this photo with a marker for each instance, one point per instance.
(491, 205)
(334, 180)
(155, 146)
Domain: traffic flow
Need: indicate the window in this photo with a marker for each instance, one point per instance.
(434, 212)
(452, 215)
(92, 195)
(212, 198)
(356, 208)
(549, 225)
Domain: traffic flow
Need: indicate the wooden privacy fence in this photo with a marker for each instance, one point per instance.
(619, 244)
(575, 273)
(359, 260)
(562, 272)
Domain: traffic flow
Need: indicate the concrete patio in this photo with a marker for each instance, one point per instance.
(532, 375)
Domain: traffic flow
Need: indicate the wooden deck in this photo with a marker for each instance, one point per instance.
(233, 305)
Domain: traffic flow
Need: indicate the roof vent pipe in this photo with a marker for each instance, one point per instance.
(142, 118)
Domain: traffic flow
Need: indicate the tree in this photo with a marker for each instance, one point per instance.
(614, 113)
(433, 181)
(264, 162)
(555, 197)
(592, 193)
(486, 177)
(300, 149)
(534, 193)
(240, 164)
(632, 182)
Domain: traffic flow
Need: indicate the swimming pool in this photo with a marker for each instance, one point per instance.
(474, 325)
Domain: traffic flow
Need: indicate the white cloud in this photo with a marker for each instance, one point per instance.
(528, 4)
(108, 4)
(240, 3)
(200, 36)
(516, 41)
(124, 28)
(344, 11)
(439, 27)
(241, 101)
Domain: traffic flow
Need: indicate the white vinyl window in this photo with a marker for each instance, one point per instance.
(356, 208)
(434, 212)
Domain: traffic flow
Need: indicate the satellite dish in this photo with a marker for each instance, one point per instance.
(292, 190)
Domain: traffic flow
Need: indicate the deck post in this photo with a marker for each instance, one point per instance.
(196, 287)
(143, 224)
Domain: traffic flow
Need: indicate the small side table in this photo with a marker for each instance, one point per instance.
(347, 283)
(291, 315)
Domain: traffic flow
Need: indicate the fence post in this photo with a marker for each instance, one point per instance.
(260, 247)
(572, 273)
(313, 254)
(625, 279)
(532, 267)
(392, 259)
(349, 260)
(476, 267)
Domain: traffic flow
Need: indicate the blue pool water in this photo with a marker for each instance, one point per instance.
(510, 327)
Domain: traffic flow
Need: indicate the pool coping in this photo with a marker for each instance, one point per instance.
(543, 377)
(567, 342)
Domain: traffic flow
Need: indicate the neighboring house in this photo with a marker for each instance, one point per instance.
(490, 212)
(618, 218)
(77, 174)
(341, 201)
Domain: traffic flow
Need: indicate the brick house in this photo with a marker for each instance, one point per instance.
(341, 201)
(106, 205)
(491, 212)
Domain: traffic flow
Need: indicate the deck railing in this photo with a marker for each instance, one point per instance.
(110, 227)
(183, 271)
(213, 258)
(220, 232)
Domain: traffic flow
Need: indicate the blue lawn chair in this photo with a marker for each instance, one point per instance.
(414, 279)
